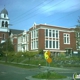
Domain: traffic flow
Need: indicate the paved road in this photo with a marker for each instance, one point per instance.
(15, 73)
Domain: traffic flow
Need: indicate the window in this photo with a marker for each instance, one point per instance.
(53, 33)
(32, 34)
(4, 15)
(57, 33)
(50, 44)
(36, 33)
(66, 38)
(36, 44)
(53, 44)
(24, 35)
(57, 44)
(2, 23)
(46, 43)
(6, 24)
(47, 32)
(78, 34)
(32, 45)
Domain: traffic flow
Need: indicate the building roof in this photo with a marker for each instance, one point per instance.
(15, 31)
(4, 11)
(50, 26)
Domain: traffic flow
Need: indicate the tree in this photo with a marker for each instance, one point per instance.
(77, 34)
(18, 56)
(7, 46)
(31, 54)
(41, 51)
(1, 52)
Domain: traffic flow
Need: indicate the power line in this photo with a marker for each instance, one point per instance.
(67, 14)
(55, 19)
(43, 11)
(30, 11)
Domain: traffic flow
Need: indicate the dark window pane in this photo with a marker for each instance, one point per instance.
(49, 33)
(56, 44)
(50, 43)
(46, 32)
(2, 23)
(6, 24)
(53, 44)
(46, 43)
(56, 33)
(53, 33)
(64, 39)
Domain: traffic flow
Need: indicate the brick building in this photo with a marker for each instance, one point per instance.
(40, 36)
(47, 37)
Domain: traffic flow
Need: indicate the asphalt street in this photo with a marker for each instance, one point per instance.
(15, 73)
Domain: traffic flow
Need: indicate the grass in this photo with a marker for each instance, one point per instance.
(19, 65)
(49, 75)
(56, 62)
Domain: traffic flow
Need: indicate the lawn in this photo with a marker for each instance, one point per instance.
(56, 61)
(49, 75)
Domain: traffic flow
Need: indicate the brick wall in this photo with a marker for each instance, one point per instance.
(41, 39)
(72, 41)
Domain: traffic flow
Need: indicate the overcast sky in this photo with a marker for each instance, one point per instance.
(23, 13)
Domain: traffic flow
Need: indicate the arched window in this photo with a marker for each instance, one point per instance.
(4, 15)
(6, 24)
(2, 23)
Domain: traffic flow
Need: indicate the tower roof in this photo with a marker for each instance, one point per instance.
(4, 11)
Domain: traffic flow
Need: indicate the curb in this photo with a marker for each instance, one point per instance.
(30, 78)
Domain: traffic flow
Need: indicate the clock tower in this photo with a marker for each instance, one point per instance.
(4, 25)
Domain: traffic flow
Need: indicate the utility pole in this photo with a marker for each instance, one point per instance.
(7, 37)
(7, 44)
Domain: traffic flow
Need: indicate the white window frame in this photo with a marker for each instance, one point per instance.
(66, 35)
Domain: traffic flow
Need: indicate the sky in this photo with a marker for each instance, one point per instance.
(24, 13)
